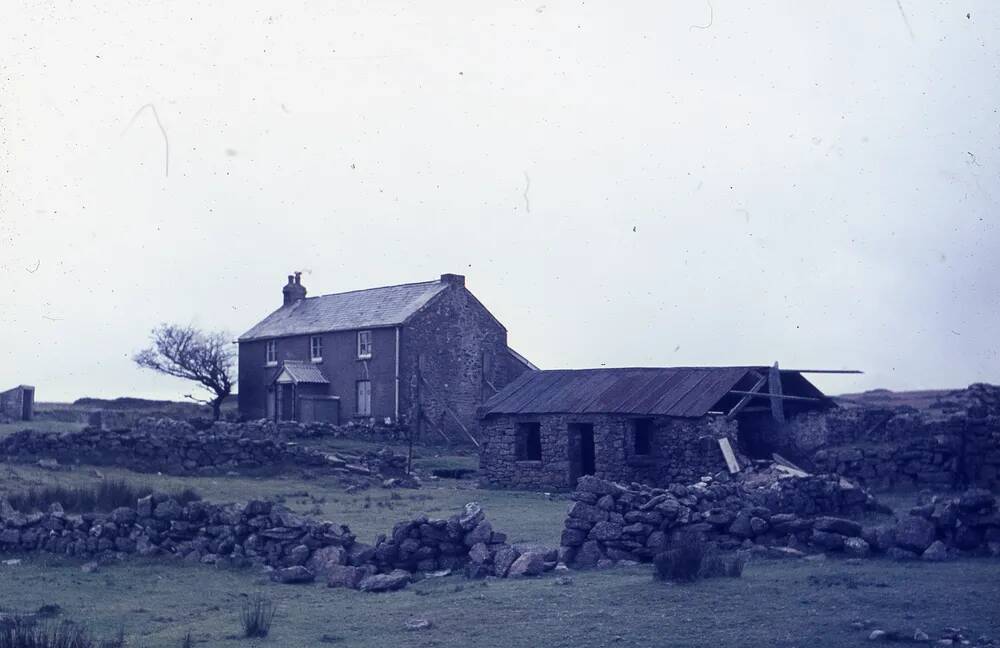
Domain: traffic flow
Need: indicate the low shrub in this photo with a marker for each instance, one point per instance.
(682, 560)
(258, 613)
(108, 496)
(26, 632)
(689, 558)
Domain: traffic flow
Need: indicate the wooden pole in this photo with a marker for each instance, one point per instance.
(774, 387)
(747, 396)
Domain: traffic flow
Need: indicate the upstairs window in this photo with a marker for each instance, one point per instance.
(271, 352)
(316, 348)
(364, 344)
(364, 398)
(642, 437)
(529, 441)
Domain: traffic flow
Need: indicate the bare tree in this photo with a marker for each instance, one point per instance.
(186, 352)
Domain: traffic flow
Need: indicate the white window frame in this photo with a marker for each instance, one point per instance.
(271, 353)
(364, 348)
(316, 348)
(363, 398)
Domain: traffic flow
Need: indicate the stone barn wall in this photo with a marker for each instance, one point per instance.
(682, 450)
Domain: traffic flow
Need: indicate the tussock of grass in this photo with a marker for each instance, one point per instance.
(107, 496)
(26, 632)
(258, 613)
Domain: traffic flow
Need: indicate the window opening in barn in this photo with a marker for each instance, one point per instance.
(364, 344)
(529, 441)
(642, 436)
(364, 398)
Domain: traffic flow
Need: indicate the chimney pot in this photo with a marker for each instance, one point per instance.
(294, 291)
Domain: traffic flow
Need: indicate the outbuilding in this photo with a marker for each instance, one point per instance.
(651, 425)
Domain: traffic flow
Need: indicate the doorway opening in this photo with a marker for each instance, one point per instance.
(582, 459)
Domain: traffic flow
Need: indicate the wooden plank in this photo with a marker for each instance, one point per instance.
(747, 396)
(825, 371)
(774, 388)
(435, 427)
(729, 455)
(782, 396)
(788, 464)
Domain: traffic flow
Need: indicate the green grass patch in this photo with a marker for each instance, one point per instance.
(780, 604)
(524, 516)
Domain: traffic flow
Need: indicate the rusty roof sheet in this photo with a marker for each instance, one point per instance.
(358, 309)
(666, 391)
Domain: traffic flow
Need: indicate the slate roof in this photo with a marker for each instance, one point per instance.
(520, 358)
(302, 372)
(666, 391)
(358, 309)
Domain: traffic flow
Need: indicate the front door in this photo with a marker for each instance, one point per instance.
(27, 398)
(287, 405)
(582, 460)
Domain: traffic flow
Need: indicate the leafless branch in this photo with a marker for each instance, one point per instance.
(188, 353)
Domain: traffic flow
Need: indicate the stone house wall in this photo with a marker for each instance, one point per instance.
(340, 365)
(463, 350)
(682, 450)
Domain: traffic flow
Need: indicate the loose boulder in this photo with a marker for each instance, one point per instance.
(914, 533)
(395, 580)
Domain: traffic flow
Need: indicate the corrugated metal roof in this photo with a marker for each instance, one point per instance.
(666, 391)
(302, 372)
(359, 309)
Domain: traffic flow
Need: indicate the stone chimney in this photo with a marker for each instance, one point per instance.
(293, 290)
(453, 279)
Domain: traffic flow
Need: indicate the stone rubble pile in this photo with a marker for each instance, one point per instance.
(609, 523)
(296, 549)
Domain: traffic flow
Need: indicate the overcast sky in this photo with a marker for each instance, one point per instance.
(641, 183)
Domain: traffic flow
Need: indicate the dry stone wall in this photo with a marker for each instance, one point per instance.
(609, 523)
(177, 447)
(956, 443)
(296, 549)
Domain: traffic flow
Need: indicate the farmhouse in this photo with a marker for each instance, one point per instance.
(652, 425)
(427, 353)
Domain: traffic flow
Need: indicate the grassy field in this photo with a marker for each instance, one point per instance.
(774, 604)
(39, 426)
